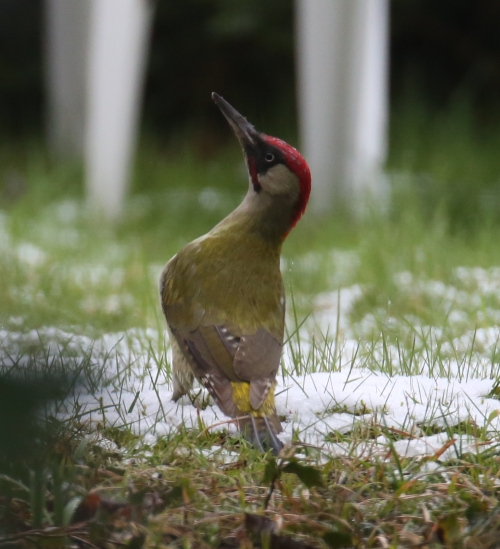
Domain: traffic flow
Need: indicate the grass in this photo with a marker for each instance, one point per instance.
(410, 295)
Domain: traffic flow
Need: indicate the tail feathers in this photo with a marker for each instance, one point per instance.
(262, 432)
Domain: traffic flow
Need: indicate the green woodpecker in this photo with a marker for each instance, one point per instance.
(223, 295)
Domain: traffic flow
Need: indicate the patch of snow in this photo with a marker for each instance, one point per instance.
(317, 403)
(135, 390)
(92, 275)
(113, 303)
(30, 254)
(332, 305)
(432, 444)
(483, 338)
(16, 320)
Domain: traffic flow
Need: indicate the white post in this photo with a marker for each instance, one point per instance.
(342, 48)
(66, 34)
(119, 32)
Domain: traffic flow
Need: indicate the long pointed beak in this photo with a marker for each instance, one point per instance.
(244, 131)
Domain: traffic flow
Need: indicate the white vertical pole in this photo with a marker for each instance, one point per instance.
(342, 89)
(66, 34)
(117, 58)
(370, 80)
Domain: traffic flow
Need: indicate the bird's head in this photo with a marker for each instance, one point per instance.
(279, 177)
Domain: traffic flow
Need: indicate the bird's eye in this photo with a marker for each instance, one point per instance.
(269, 157)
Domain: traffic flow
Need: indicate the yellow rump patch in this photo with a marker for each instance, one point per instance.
(241, 397)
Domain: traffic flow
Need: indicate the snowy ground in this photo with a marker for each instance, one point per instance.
(372, 382)
(342, 372)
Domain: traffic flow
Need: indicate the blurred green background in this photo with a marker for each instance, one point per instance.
(444, 92)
